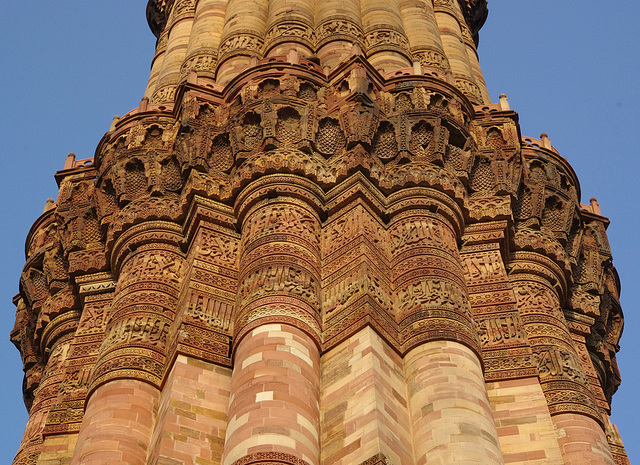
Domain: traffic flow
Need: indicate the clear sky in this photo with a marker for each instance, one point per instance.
(569, 68)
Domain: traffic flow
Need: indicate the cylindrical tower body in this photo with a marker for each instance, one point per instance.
(156, 64)
(275, 388)
(204, 40)
(386, 43)
(316, 242)
(242, 37)
(424, 36)
(448, 401)
(338, 27)
(449, 405)
(290, 26)
(552, 302)
(575, 414)
(118, 424)
(178, 32)
(125, 389)
(453, 31)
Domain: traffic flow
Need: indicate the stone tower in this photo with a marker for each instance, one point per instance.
(317, 242)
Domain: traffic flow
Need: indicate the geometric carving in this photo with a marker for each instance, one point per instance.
(254, 192)
(330, 138)
(241, 43)
(270, 458)
(219, 249)
(136, 179)
(350, 288)
(378, 459)
(213, 313)
(384, 143)
(281, 219)
(158, 266)
(489, 208)
(288, 129)
(432, 59)
(381, 38)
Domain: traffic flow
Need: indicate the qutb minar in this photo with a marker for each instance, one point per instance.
(317, 242)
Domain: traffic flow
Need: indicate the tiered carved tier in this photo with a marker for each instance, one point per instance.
(297, 254)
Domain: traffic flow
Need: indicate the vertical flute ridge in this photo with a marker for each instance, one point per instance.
(316, 241)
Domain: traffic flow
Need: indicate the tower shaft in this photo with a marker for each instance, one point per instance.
(220, 39)
(317, 242)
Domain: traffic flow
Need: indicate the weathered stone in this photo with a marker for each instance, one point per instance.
(316, 241)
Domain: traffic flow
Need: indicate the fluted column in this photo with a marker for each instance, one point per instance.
(449, 406)
(117, 424)
(448, 401)
(538, 283)
(582, 440)
(179, 31)
(124, 391)
(474, 63)
(274, 409)
(423, 34)
(45, 397)
(156, 64)
(242, 37)
(290, 25)
(338, 28)
(387, 46)
(451, 24)
(202, 52)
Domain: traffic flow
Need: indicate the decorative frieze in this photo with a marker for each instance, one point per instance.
(264, 210)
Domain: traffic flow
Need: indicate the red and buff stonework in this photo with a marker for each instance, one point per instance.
(317, 242)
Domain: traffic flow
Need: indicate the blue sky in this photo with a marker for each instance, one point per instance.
(570, 69)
